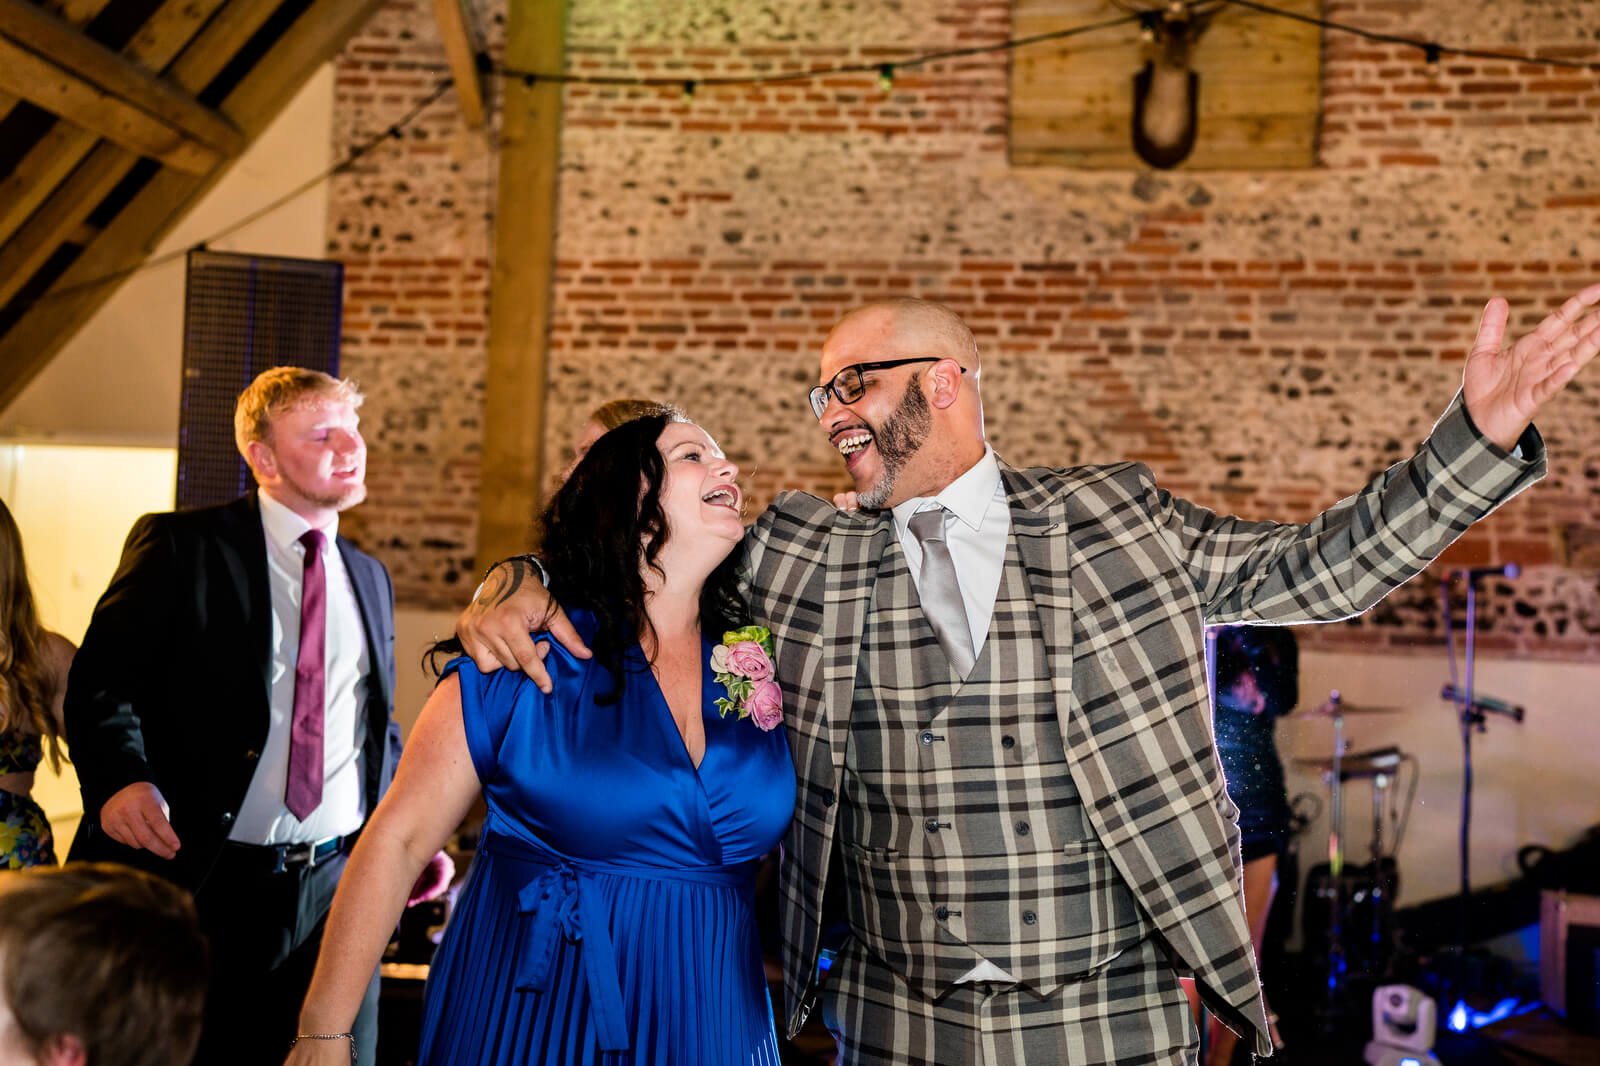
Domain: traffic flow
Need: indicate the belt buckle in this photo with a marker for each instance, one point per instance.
(300, 853)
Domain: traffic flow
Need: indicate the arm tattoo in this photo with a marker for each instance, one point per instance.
(508, 578)
(502, 582)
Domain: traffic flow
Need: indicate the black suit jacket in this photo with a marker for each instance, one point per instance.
(171, 684)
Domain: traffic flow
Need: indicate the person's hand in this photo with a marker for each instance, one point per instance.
(511, 603)
(137, 816)
(433, 880)
(847, 501)
(1504, 386)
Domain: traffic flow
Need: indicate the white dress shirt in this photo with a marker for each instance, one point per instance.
(263, 819)
(977, 540)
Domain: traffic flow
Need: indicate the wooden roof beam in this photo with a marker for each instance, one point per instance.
(32, 179)
(29, 238)
(49, 174)
(52, 65)
(130, 237)
(460, 39)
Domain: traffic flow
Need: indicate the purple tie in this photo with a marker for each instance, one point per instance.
(302, 791)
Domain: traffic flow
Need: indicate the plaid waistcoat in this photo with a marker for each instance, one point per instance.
(962, 834)
(1124, 575)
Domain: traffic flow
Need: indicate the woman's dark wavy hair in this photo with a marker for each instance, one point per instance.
(600, 532)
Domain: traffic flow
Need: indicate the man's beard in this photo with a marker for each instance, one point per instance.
(899, 438)
(341, 500)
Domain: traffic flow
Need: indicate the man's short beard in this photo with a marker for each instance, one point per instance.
(347, 499)
(900, 437)
(334, 501)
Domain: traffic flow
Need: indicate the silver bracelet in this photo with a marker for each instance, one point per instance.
(327, 1036)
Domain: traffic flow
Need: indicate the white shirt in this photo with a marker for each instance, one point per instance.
(263, 819)
(977, 539)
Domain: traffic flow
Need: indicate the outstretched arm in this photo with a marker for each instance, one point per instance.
(1505, 385)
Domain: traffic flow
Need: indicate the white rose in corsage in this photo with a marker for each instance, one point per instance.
(742, 664)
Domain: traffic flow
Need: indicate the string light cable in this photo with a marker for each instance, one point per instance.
(884, 72)
(1431, 50)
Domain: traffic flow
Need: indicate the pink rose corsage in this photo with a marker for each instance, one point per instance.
(742, 664)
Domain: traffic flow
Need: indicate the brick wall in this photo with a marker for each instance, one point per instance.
(1264, 341)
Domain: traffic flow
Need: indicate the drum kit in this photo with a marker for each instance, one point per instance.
(1372, 889)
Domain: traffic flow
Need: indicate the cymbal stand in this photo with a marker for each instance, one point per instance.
(1337, 961)
(1473, 720)
(1378, 891)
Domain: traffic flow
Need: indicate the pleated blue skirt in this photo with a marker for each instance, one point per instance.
(547, 961)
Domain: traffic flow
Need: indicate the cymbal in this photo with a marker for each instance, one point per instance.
(1357, 763)
(1335, 706)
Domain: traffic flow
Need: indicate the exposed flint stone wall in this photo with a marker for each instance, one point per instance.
(1264, 341)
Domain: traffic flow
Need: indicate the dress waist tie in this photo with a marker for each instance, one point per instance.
(559, 899)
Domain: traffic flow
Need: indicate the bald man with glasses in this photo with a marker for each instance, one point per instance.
(996, 697)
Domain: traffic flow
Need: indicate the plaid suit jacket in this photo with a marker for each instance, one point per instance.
(1124, 576)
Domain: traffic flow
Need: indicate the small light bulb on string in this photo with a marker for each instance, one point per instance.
(886, 77)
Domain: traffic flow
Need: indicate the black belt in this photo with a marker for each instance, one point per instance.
(280, 858)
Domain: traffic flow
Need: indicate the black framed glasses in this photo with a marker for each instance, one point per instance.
(848, 387)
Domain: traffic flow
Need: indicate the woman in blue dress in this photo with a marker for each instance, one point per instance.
(608, 916)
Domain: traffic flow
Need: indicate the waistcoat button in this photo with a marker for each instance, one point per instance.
(1029, 918)
(1022, 829)
(926, 736)
(1008, 742)
(942, 913)
(932, 824)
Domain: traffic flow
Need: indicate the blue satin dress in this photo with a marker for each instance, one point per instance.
(608, 915)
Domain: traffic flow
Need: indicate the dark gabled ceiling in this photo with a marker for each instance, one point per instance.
(115, 116)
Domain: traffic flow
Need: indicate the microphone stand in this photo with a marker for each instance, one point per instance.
(1472, 720)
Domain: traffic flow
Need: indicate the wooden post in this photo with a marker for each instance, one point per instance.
(522, 281)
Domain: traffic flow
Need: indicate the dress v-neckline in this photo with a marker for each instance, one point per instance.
(669, 723)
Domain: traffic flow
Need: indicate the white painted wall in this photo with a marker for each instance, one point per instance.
(414, 632)
(1537, 782)
(74, 506)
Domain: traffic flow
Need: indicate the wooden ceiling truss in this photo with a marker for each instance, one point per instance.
(115, 117)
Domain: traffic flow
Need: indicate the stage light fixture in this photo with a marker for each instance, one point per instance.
(1404, 1021)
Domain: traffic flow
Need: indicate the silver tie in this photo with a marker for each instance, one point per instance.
(941, 592)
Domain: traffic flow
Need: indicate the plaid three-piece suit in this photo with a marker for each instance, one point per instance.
(1123, 577)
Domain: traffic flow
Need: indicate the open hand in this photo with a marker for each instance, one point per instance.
(1504, 386)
